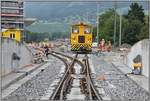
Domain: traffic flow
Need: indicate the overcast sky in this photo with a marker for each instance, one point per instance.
(58, 10)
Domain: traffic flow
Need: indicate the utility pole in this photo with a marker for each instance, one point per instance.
(149, 29)
(114, 38)
(120, 29)
(97, 24)
(1, 59)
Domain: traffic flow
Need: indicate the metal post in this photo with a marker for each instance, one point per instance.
(23, 32)
(0, 59)
(149, 36)
(120, 29)
(97, 24)
(115, 24)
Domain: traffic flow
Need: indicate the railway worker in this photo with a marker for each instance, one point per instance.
(109, 46)
(46, 50)
(137, 65)
(102, 45)
(137, 68)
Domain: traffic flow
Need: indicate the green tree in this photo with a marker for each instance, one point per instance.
(131, 31)
(94, 33)
(36, 37)
(106, 25)
(144, 33)
(135, 28)
(136, 12)
(134, 25)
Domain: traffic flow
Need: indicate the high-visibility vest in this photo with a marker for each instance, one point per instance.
(136, 65)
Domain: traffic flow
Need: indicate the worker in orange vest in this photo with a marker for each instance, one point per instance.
(109, 46)
(102, 45)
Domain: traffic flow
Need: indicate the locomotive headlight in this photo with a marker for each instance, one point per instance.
(89, 40)
(74, 39)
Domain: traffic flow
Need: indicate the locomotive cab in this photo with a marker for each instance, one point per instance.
(81, 38)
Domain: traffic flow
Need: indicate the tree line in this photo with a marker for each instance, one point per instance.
(135, 25)
(39, 37)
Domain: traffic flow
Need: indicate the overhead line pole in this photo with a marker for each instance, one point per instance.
(97, 24)
(1, 60)
(120, 29)
(114, 38)
(149, 37)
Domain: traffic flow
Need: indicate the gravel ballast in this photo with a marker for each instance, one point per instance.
(37, 86)
(116, 84)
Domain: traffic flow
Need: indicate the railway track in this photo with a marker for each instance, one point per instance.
(65, 88)
(58, 93)
(77, 81)
(93, 94)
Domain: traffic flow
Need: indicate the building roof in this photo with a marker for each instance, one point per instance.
(29, 21)
(13, 0)
(3, 30)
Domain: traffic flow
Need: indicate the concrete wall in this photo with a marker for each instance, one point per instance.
(142, 48)
(9, 46)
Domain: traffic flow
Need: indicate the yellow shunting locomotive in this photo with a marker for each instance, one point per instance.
(81, 38)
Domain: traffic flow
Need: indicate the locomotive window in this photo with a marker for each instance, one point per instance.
(75, 30)
(87, 30)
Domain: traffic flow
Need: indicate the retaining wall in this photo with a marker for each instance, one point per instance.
(10, 46)
(141, 48)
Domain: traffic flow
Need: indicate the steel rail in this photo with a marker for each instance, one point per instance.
(88, 78)
(62, 59)
(64, 76)
(63, 87)
(78, 61)
(91, 85)
(67, 79)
